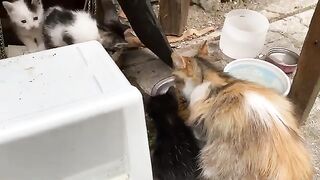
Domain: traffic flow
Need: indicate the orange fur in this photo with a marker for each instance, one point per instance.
(250, 131)
(183, 110)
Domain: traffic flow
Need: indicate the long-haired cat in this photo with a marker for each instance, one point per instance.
(64, 27)
(27, 18)
(176, 151)
(250, 131)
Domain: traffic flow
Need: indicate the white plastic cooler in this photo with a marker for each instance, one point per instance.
(70, 114)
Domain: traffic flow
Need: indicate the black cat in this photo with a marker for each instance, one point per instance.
(176, 150)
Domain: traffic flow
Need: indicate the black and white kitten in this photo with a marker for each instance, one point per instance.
(27, 18)
(64, 27)
(176, 150)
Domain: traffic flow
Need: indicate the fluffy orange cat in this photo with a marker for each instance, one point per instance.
(250, 131)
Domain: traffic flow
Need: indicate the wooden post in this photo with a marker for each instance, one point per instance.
(173, 15)
(306, 83)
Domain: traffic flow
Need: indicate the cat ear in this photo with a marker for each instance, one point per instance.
(203, 50)
(8, 6)
(178, 61)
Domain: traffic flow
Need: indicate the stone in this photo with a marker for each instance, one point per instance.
(298, 39)
(291, 29)
(289, 6)
(270, 15)
(288, 26)
(305, 17)
(311, 131)
(273, 36)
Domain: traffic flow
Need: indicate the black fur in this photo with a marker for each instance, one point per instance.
(176, 150)
(114, 26)
(56, 17)
(31, 7)
(67, 38)
(35, 40)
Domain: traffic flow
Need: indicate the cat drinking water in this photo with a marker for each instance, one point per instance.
(250, 132)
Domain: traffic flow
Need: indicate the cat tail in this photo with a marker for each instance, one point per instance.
(288, 156)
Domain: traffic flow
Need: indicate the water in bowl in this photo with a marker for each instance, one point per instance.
(258, 75)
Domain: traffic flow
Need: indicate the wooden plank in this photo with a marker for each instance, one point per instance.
(173, 15)
(306, 83)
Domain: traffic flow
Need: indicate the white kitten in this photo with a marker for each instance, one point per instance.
(64, 27)
(27, 18)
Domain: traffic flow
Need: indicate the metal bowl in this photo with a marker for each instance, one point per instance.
(162, 86)
(284, 58)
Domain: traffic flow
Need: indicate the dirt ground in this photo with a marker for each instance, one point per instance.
(199, 18)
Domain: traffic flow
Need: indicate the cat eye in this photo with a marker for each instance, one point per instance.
(35, 18)
(23, 21)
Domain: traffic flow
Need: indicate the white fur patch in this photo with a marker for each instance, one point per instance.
(264, 108)
(28, 29)
(56, 35)
(19, 11)
(83, 29)
(188, 88)
(200, 92)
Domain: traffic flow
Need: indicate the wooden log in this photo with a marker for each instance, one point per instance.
(173, 15)
(306, 83)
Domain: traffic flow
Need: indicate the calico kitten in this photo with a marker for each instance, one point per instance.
(176, 150)
(27, 18)
(250, 131)
(64, 27)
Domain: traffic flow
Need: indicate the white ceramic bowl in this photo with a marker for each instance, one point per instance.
(260, 72)
(243, 34)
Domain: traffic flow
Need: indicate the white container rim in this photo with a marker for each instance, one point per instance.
(275, 68)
